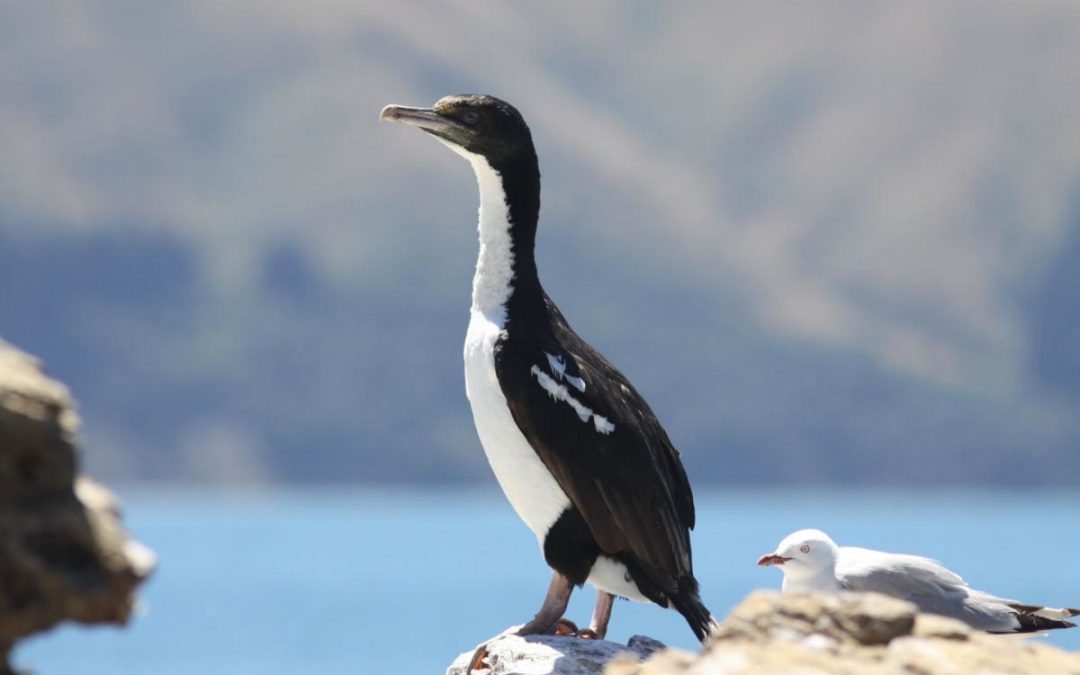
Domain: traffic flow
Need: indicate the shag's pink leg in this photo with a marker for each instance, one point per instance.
(558, 597)
(597, 629)
(601, 613)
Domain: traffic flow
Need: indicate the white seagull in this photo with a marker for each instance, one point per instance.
(812, 562)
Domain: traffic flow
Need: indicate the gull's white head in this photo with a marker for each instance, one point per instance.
(803, 554)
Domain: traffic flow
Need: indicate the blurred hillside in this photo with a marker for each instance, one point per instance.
(835, 246)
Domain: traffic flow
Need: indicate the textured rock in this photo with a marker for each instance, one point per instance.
(63, 551)
(847, 634)
(543, 654)
(851, 634)
(863, 619)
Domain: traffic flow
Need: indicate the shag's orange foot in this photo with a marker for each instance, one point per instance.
(564, 627)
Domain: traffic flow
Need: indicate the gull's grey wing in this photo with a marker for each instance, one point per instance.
(926, 583)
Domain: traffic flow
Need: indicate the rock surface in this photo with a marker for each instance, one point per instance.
(851, 634)
(769, 633)
(63, 551)
(536, 654)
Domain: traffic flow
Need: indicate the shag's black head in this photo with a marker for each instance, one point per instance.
(479, 124)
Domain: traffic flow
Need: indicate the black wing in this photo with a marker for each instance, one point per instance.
(605, 447)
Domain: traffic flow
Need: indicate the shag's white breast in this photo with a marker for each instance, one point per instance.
(528, 484)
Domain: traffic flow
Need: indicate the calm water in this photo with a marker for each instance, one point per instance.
(401, 582)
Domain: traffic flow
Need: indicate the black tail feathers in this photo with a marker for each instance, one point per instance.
(1033, 623)
(1032, 617)
(694, 611)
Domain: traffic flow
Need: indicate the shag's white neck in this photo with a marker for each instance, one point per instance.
(493, 280)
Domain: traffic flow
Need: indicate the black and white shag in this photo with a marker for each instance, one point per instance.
(574, 446)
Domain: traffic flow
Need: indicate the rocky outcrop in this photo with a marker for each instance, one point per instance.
(773, 634)
(64, 554)
(851, 634)
(554, 654)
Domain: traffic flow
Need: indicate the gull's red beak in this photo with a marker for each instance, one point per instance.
(772, 559)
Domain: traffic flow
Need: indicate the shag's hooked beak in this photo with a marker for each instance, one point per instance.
(771, 559)
(426, 119)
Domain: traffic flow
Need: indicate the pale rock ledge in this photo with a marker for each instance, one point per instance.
(769, 633)
(557, 655)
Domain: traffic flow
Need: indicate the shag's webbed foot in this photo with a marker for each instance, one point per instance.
(565, 627)
(549, 618)
(548, 621)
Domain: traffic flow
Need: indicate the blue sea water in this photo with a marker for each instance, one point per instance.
(337, 581)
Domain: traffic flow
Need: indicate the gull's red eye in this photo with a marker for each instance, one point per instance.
(805, 548)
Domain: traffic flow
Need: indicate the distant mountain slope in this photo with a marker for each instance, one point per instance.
(830, 247)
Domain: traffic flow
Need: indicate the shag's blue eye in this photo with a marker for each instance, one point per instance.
(471, 117)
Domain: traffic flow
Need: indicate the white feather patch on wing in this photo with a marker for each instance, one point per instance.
(559, 392)
(602, 424)
(558, 366)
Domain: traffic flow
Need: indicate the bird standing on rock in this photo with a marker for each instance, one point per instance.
(812, 562)
(575, 448)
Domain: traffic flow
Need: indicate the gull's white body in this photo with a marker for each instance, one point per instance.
(828, 568)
